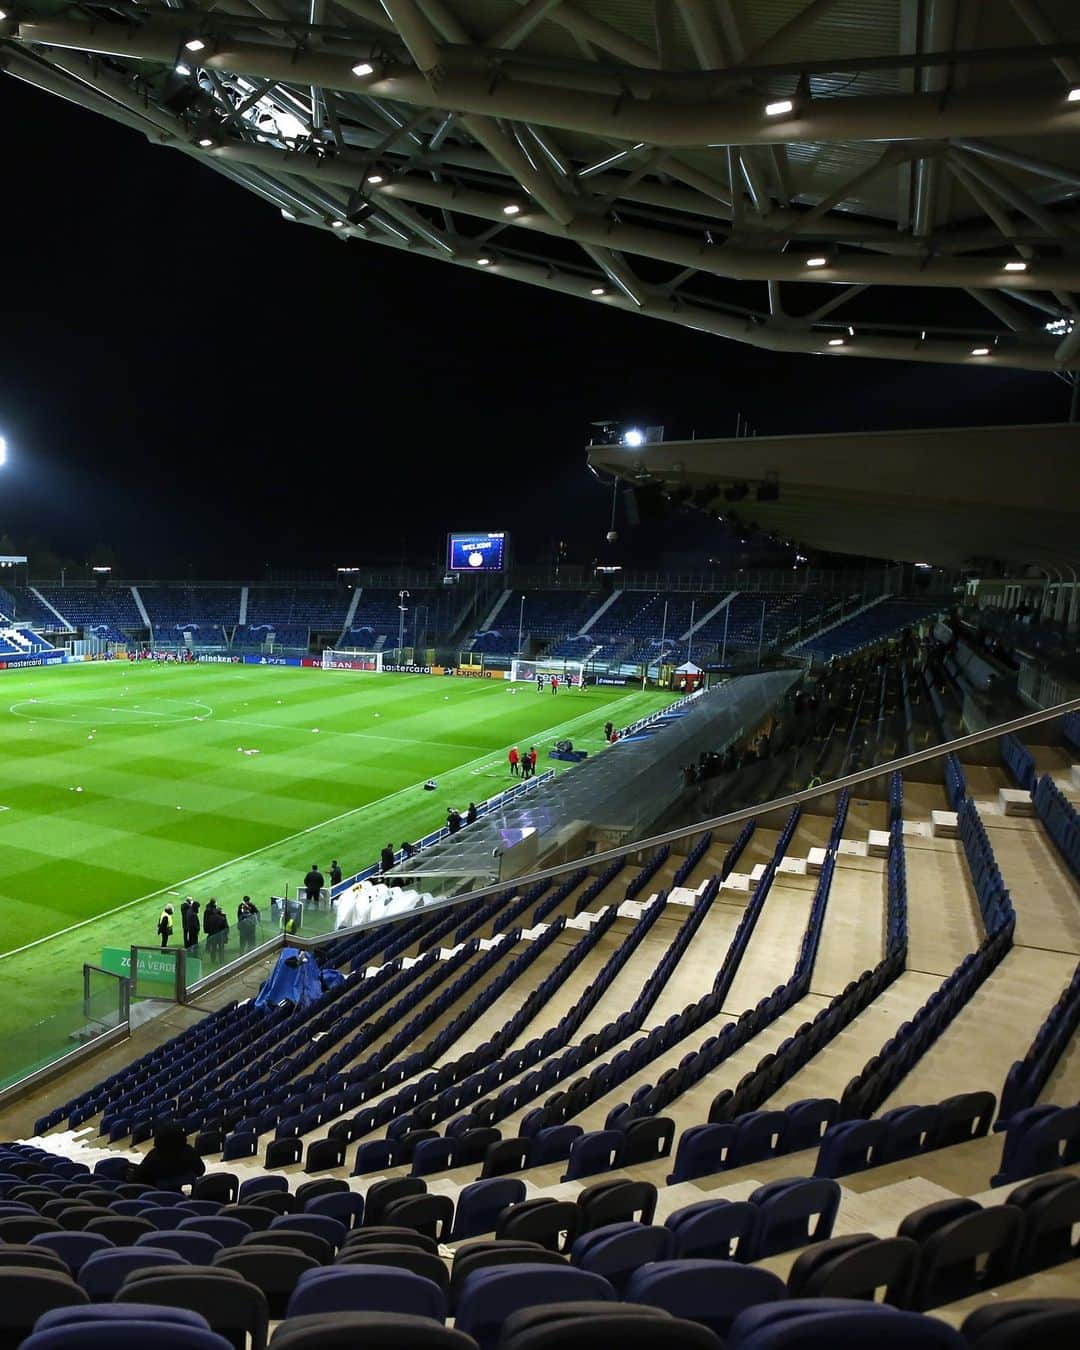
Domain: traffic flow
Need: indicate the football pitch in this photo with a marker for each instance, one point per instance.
(127, 785)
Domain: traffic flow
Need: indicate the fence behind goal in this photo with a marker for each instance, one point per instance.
(349, 658)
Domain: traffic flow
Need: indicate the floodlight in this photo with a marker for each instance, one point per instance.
(375, 179)
(3, 15)
(779, 107)
(182, 69)
(511, 209)
(337, 224)
(980, 351)
(101, 570)
(836, 342)
(483, 262)
(633, 438)
(598, 290)
(1016, 266)
(195, 45)
(1074, 95)
(362, 69)
(817, 261)
(3, 450)
(288, 214)
(205, 142)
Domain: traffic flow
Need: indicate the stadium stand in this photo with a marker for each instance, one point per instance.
(759, 1073)
(879, 620)
(208, 613)
(108, 612)
(21, 606)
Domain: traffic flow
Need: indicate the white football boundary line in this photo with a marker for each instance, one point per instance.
(285, 839)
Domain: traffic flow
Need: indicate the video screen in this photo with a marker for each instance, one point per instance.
(479, 552)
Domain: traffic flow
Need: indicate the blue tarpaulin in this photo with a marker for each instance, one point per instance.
(296, 977)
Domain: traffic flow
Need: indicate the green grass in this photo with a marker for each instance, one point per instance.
(169, 803)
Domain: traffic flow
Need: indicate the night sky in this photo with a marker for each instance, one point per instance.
(203, 388)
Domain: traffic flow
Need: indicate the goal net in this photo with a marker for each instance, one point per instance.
(349, 658)
(569, 673)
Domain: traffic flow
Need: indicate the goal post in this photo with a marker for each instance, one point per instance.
(568, 672)
(350, 658)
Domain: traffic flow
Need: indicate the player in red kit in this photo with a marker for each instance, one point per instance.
(554, 684)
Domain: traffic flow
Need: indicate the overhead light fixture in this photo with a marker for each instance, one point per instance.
(3, 450)
(195, 45)
(363, 69)
(779, 107)
(511, 209)
(205, 142)
(288, 214)
(598, 290)
(816, 261)
(483, 262)
(337, 224)
(836, 342)
(980, 351)
(1016, 266)
(633, 438)
(375, 179)
(1074, 95)
(3, 15)
(181, 69)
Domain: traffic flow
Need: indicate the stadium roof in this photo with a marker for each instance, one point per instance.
(952, 497)
(849, 177)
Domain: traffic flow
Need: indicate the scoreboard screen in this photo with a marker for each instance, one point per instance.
(477, 552)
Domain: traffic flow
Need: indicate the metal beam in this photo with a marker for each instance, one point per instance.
(1057, 172)
(739, 122)
(722, 261)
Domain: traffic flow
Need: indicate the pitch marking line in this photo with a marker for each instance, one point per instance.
(265, 848)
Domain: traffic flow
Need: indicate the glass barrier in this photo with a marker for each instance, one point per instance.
(30, 1044)
(156, 973)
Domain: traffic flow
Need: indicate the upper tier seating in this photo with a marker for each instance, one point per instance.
(880, 620)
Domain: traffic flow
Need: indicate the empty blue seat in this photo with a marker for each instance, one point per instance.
(839, 1324)
(73, 1248)
(593, 1153)
(122, 1334)
(113, 1312)
(104, 1272)
(261, 1185)
(366, 1289)
(702, 1150)
(710, 1292)
(166, 1216)
(554, 1143)
(490, 1295)
(807, 1122)
(346, 1207)
(850, 1146)
(330, 1229)
(725, 1230)
(480, 1204)
(617, 1250)
(198, 1248)
(794, 1212)
(229, 1232)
